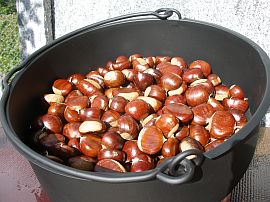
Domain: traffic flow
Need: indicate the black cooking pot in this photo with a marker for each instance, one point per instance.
(235, 58)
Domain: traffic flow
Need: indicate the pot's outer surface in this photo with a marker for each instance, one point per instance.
(236, 59)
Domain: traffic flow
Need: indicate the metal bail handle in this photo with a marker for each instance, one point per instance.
(180, 169)
(165, 13)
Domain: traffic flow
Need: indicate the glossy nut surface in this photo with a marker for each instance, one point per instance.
(118, 104)
(213, 145)
(196, 95)
(168, 124)
(190, 75)
(140, 65)
(92, 126)
(109, 165)
(222, 92)
(112, 140)
(90, 113)
(138, 109)
(200, 134)
(131, 149)
(181, 111)
(235, 103)
(90, 145)
(154, 104)
(52, 123)
(214, 79)
(114, 78)
(62, 87)
(170, 147)
(82, 163)
(202, 114)
(143, 80)
(167, 67)
(50, 139)
(160, 59)
(71, 115)
(179, 61)
(190, 143)
(236, 92)
(203, 65)
(150, 140)
(222, 125)
(100, 102)
(86, 87)
(215, 104)
(71, 130)
(78, 102)
(156, 92)
(75, 78)
(111, 117)
(57, 109)
(128, 127)
(142, 162)
(182, 132)
(111, 154)
(171, 81)
(178, 99)
(239, 117)
(53, 98)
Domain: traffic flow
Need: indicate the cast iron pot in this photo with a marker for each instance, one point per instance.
(211, 175)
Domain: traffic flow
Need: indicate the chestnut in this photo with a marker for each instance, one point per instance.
(129, 94)
(149, 120)
(75, 143)
(109, 165)
(203, 65)
(111, 117)
(167, 67)
(57, 109)
(235, 103)
(72, 94)
(131, 149)
(75, 78)
(199, 133)
(143, 80)
(214, 79)
(86, 87)
(109, 92)
(112, 140)
(134, 57)
(154, 104)
(182, 132)
(90, 113)
(102, 71)
(128, 127)
(150, 140)
(122, 62)
(181, 111)
(62, 87)
(52, 123)
(205, 84)
(170, 147)
(101, 102)
(129, 74)
(168, 124)
(138, 109)
(171, 81)
(50, 139)
(239, 117)
(160, 59)
(156, 92)
(82, 162)
(178, 99)
(181, 90)
(213, 144)
(96, 80)
(202, 114)
(190, 75)
(151, 61)
(179, 61)
(78, 102)
(111, 154)
(54, 158)
(236, 92)
(114, 79)
(92, 126)
(222, 125)
(140, 65)
(155, 73)
(63, 151)
(71, 115)
(196, 95)
(142, 162)
(90, 145)
(118, 104)
(222, 92)
(53, 98)
(71, 130)
(215, 104)
(109, 65)
(189, 143)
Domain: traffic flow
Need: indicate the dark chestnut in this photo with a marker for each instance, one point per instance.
(181, 111)
(196, 95)
(143, 80)
(168, 124)
(202, 114)
(52, 123)
(90, 145)
(112, 140)
(118, 104)
(170, 147)
(128, 127)
(138, 109)
(62, 87)
(142, 162)
(199, 133)
(82, 163)
(203, 65)
(111, 154)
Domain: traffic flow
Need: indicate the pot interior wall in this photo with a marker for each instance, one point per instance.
(234, 60)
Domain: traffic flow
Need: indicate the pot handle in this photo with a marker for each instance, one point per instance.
(180, 169)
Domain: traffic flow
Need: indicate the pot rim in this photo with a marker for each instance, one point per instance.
(52, 166)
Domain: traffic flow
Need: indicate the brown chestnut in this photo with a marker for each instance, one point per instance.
(90, 145)
(239, 117)
(131, 149)
(199, 133)
(62, 151)
(178, 99)
(78, 102)
(179, 61)
(118, 104)
(82, 163)
(167, 67)
(189, 143)
(53, 98)
(100, 102)
(109, 165)
(156, 92)
(205, 84)
(150, 140)
(75, 78)
(92, 126)
(62, 87)
(215, 104)
(202, 114)
(213, 144)
(181, 111)
(190, 75)
(160, 59)
(90, 113)
(138, 109)
(181, 90)
(114, 78)
(170, 147)
(196, 95)
(122, 62)
(143, 80)
(154, 104)
(111, 117)
(171, 81)
(149, 120)
(203, 65)
(222, 92)
(71, 115)
(111, 154)
(155, 73)
(236, 92)
(168, 124)
(75, 143)
(129, 73)
(235, 103)
(182, 132)
(57, 109)
(52, 123)
(141, 162)
(71, 130)
(112, 140)
(128, 127)
(222, 125)
(140, 65)
(129, 94)
(86, 87)
(50, 139)
(102, 71)
(151, 61)
(214, 79)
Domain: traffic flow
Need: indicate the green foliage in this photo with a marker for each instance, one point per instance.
(7, 7)
(9, 42)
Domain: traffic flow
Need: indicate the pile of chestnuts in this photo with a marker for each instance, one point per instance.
(135, 112)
